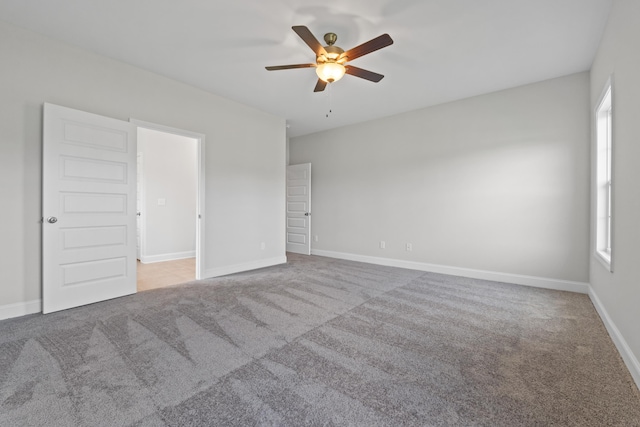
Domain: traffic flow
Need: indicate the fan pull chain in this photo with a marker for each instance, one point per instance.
(329, 99)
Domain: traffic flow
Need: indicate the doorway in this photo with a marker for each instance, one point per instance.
(170, 201)
(89, 206)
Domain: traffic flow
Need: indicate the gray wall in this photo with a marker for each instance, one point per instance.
(498, 182)
(170, 172)
(245, 152)
(619, 292)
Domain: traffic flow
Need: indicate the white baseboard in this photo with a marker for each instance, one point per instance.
(167, 257)
(238, 268)
(621, 344)
(20, 309)
(518, 279)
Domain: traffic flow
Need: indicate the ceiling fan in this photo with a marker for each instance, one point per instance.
(331, 61)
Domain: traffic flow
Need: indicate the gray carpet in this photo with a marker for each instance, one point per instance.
(319, 342)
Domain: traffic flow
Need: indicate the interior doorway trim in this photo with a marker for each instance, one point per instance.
(200, 204)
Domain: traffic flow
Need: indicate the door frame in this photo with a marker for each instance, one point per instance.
(140, 249)
(200, 202)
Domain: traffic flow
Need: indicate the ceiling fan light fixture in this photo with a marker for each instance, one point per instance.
(331, 59)
(330, 71)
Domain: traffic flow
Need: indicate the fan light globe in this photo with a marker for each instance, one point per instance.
(330, 71)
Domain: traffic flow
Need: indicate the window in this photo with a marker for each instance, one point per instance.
(604, 174)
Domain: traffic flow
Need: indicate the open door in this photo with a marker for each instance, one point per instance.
(89, 208)
(299, 208)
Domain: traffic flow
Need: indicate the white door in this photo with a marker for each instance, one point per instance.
(89, 208)
(299, 208)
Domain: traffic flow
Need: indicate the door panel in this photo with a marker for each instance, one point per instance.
(89, 197)
(299, 208)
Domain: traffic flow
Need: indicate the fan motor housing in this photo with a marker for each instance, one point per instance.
(333, 55)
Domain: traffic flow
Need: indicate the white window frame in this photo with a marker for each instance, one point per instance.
(604, 177)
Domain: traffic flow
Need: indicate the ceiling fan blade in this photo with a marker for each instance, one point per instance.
(363, 74)
(368, 47)
(289, 67)
(320, 86)
(306, 35)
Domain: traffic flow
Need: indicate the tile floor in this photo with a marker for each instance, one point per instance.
(160, 274)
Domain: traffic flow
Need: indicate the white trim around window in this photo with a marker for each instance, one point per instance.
(604, 182)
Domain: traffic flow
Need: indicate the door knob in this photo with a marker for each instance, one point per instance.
(52, 220)
(138, 213)
(307, 213)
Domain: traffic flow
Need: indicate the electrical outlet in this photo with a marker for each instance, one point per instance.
(382, 244)
(162, 202)
(262, 246)
(409, 247)
(315, 238)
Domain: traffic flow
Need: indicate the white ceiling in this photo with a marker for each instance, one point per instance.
(444, 49)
